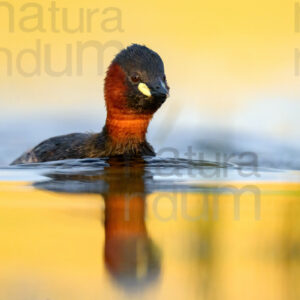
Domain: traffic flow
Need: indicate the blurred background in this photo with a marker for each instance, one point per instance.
(230, 65)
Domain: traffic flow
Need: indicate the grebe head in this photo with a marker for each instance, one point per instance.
(136, 82)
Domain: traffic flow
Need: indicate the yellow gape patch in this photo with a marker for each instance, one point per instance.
(143, 88)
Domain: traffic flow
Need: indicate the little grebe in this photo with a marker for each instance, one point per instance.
(135, 87)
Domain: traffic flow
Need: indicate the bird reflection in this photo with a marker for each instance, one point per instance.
(130, 256)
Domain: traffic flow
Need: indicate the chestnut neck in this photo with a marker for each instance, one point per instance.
(123, 130)
(123, 125)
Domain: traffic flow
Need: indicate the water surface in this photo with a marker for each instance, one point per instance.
(149, 229)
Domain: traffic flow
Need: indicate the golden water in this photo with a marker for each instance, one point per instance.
(80, 246)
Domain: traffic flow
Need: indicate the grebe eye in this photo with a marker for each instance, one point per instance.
(135, 78)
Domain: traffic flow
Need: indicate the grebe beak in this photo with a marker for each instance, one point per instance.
(159, 89)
